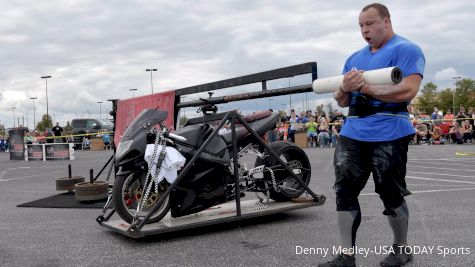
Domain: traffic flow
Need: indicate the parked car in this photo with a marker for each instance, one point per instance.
(91, 126)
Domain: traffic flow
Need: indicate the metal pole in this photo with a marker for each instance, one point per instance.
(34, 112)
(151, 76)
(133, 91)
(456, 78)
(13, 111)
(46, 77)
(100, 109)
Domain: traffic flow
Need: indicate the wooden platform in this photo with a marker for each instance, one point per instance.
(214, 215)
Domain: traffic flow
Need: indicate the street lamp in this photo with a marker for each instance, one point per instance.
(34, 112)
(46, 77)
(456, 78)
(13, 111)
(151, 76)
(100, 109)
(133, 91)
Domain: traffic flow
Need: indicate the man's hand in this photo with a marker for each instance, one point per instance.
(352, 81)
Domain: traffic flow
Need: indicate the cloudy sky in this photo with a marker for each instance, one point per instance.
(98, 50)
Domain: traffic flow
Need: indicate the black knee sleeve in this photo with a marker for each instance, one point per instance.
(345, 201)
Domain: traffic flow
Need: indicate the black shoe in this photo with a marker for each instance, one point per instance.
(342, 260)
(398, 258)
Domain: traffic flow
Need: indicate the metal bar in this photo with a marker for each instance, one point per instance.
(103, 167)
(252, 95)
(235, 163)
(91, 176)
(69, 171)
(275, 156)
(309, 67)
(110, 171)
(181, 175)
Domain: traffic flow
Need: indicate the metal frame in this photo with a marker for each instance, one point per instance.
(135, 230)
(261, 77)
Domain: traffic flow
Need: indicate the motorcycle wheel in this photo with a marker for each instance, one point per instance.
(297, 160)
(127, 194)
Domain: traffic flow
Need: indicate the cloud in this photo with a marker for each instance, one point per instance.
(445, 74)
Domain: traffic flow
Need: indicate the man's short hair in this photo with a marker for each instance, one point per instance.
(382, 10)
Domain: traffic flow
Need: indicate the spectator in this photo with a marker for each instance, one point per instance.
(434, 114)
(57, 131)
(311, 127)
(106, 138)
(461, 116)
(28, 139)
(422, 134)
(2, 145)
(293, 125)
(436, 136)
(302, 119)
(336, 132)
(466, 130)
(449, 116)
(281, 129)
(68, 132)
(456, 135)
(323, 133)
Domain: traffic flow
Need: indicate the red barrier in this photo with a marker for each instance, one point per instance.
(128, 109)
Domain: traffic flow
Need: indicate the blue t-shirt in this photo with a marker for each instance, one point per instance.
(400, 52)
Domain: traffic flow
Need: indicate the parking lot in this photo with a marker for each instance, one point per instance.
(442, 210)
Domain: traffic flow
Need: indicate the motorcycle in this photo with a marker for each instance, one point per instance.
(211, 179)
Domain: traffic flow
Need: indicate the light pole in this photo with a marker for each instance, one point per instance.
(100, 109)
(13, 111)
(34, 112)
(151, 76)
(456, 78)
(133, 91)
(46, 77)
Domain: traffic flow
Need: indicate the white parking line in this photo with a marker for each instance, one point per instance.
(440, 180)
(450, 164)
(434, 159)
(440, 185)
(29, 176)
(454, 175)
(425, 167)
(428, 191)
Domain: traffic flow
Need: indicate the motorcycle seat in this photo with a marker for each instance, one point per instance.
(260, 122)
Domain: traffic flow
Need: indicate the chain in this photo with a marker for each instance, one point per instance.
(149, 181)
(274, 182)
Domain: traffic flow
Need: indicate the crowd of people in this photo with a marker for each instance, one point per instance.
(323, 130)
(440, 128)
(57, 134)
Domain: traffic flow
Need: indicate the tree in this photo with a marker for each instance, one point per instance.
(445, 99)
(464, 93)
(329, 106)
(46, 122)
(2, 130)
(428, 99)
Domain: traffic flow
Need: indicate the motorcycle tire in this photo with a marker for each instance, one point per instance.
(127, 193)
(290, 154)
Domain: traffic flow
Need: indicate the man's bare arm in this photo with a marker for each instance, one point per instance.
(404, 91)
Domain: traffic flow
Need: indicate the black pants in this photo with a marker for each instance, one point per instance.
(355, 160)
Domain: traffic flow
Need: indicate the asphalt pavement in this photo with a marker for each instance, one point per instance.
(441, 227)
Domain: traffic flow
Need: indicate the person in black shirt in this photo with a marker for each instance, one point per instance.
(57, 131)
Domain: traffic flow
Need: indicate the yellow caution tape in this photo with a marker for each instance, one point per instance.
(464, 154)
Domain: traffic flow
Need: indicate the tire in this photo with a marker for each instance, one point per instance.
(297, 159)
(127, 193)
(67, 183)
